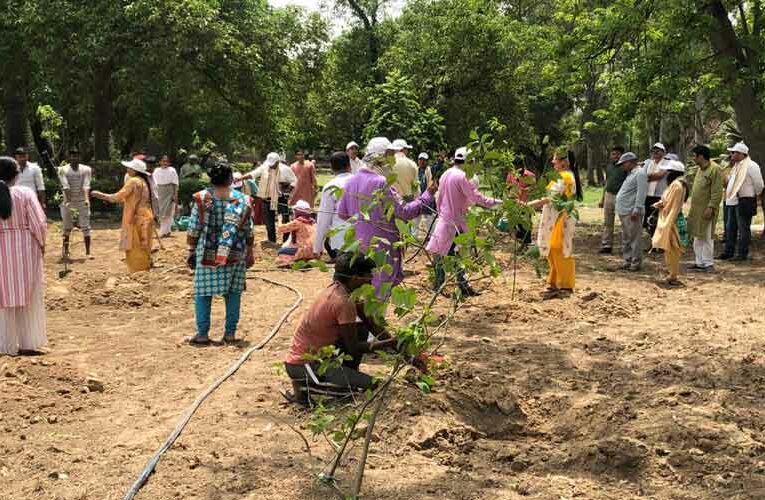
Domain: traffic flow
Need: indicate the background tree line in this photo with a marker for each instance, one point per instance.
(114, 76)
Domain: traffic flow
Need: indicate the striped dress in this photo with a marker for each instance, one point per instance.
(22, 306)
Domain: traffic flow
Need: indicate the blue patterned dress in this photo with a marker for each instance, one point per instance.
(211, 280)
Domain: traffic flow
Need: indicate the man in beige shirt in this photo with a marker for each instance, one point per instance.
(405, 169)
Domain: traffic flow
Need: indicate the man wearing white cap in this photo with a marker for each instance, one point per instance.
(373, 220)
(657, 183)
(275, 180)
(744, 184)
(352, 150)
(405, 170)
(421, 224)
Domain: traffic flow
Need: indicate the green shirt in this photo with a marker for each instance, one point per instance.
(615, 176)
(706, 193)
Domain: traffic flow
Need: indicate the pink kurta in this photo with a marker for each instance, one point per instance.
(456, 194)
(302, 239)
(305, 189)
(22, 238)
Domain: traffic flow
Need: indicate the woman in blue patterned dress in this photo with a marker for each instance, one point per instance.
(220, 240)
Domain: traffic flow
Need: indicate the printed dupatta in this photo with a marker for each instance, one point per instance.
(231, 246)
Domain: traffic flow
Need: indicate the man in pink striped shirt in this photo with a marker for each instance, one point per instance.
(456, 194)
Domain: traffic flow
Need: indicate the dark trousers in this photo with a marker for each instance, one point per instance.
(738, 227)
(345, 379)
(440, 273)
(651, 217)
(271, 215)
(523, 235)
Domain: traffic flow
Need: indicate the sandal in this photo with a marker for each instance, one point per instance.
(197, 340)
(229, 340)
(551, 293)
(673, 283)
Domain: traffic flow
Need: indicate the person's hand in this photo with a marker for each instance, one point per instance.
(635, 215)
(191, 261)
(708, 213)
(658, 205)
(432, 187)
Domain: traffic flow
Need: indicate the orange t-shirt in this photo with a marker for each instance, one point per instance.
(319, 326)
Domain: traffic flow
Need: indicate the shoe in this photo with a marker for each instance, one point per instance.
(709, 269)
(605, 251)
(696, 268)
(635, 268)
(469, 292)
(625, 267)
(724, 257)
(229, 340)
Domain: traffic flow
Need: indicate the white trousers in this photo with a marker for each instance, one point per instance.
(23, 328)
(704, 248)
(165, 225)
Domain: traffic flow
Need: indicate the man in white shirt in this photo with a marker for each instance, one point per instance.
(75, 186)
(405, 170)
(352, 150)
(656, 171)
(31, 175)
(275, 180)
(328, 219)
(744, 184)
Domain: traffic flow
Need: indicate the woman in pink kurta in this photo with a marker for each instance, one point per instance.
(305, 189)
(22, 244)
(302, 228)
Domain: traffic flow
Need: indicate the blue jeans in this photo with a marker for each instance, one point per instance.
(203, 305)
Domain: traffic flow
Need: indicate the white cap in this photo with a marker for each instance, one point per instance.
(423, 156)
(350, 145)
(673, 165)
(739, 147)
(272, 159)
(461, 154)
(378, 146)
(136, 165)
(400, 144)
(237, 180)
(659, 145)
(302, 206)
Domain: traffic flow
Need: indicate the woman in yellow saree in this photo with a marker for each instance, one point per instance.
(671, 231)
(555, 237)
(137, 216)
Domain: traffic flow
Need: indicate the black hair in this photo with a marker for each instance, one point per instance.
(74, 151)
(9, 170)
(672, 175)
(702, 150)
(575, 170)
(349, 265)
(339, 162)
(619, 149)
(221, 174)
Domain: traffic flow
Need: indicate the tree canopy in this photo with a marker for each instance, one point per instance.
(241, 76)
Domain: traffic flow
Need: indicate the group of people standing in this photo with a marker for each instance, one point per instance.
(650, 196)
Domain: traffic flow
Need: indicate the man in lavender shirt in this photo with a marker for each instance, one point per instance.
(456, 194)
(360, 196)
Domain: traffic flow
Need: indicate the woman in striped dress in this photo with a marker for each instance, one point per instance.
(22, 245)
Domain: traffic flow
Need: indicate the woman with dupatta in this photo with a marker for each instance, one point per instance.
(137, 215)
(555, 238)
(671, 230)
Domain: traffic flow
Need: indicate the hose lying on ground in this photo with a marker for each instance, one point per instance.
(147, 471)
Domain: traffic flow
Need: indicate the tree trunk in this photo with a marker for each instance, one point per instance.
(102, 111)
(15, 110)
(732, 59)
(43, 145)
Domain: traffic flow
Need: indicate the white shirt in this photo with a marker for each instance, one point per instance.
(286, 175)
(164, 176)
(327, 218)
(656, 188)
(356, 164)
(75, 181)
(31, 177)
(752, 186)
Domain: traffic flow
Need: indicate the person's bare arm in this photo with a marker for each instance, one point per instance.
(658, 176)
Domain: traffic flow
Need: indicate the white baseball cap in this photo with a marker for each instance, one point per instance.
(378, 146)
(673, 165)
(400, 144)
(272, 159)
(461, 154)
(237, 180)
(740, 147)
(423, 156)
(136, 165)
(350, 145)
(302, 206)
(659, 145)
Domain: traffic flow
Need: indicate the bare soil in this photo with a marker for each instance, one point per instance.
(625, 390)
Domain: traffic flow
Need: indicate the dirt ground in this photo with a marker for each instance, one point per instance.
(625, 390)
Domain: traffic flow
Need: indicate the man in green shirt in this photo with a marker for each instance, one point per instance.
(615, 176)
(706, 196)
